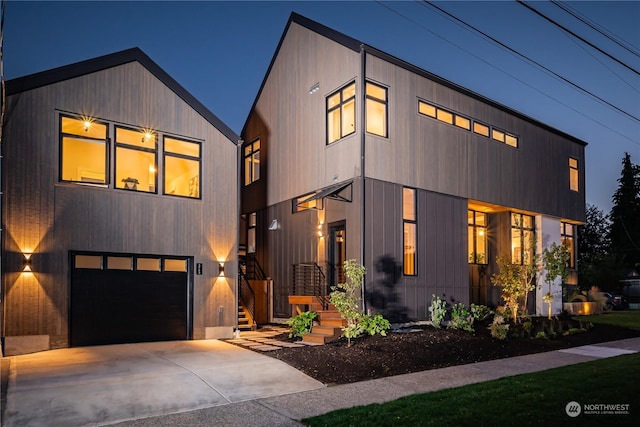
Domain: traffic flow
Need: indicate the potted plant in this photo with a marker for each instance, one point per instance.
(130, 183)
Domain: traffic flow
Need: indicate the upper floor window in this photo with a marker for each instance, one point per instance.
(522, 238)
(135, 160)
(573, 174)
(252, 162)
(409, 229)
(251, 233)
(477, 226)
(567, 235)
(181, 167)
(341, 113)
(83, 150)
(376, 109)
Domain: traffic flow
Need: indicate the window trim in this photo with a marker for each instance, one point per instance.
(124, 145)
(339, 106)
(574, 169)
(475, 228)
(107, 148)
(250, 156)
(520, 226)
(166, 154)
(384, 102)
(414, 222)
(564, 236)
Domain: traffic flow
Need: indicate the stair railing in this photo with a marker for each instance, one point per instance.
(246, 295)
(309, 280)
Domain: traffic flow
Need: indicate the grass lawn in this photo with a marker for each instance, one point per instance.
(531, 399)
(625, 319)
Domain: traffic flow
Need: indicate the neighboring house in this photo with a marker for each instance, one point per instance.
(119, 206)
(350, 152)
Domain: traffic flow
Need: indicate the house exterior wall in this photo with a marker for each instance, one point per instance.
(50, 218)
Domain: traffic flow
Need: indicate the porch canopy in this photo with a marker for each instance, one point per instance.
(342, 192)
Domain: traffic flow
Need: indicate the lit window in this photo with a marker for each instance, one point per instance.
(477, 224)
(409, 226)
(444, 116)
(522, 238)
(376, 113)
(511, 140)
(181, 168)
(567, 237)
(426, 109)
(573, 174)
(252, 162)
(251, 233)
(341, 113)
(463, 122)
(135, 160)
(306, 202)
(83, 145)
(481, 129)
(497, 135)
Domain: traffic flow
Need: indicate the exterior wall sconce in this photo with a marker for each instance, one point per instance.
(26, 263)
(320, 233)
(221, 269)
(313, 89)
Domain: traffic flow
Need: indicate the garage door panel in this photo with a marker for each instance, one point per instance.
(120, 306)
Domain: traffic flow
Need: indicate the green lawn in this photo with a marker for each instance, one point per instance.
(625, 319)
(531, 399)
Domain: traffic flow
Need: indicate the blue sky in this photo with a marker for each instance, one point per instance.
(220, 52)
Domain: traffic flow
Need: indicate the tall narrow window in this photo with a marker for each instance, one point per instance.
(252, 162)
(181, 168)
(567, 236)
(477, 237)
(83, 146)
(409, 231)
(522, 238)
(135, 160)
(376, 109)
(341, 113)
(573, 174)
(251, 233)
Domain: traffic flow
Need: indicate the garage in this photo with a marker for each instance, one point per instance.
(125, 298)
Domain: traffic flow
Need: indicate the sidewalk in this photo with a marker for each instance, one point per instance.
(285, 410)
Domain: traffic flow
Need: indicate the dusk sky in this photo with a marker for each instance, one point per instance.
(220, 52)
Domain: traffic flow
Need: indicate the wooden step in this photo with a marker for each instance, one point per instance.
(321, 334)
(334, 323)
(329, 314)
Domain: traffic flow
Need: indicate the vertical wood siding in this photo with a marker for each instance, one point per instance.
(51, 218)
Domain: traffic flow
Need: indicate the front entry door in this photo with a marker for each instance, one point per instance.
(337, 252)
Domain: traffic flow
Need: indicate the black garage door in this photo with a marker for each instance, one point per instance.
(117, 298)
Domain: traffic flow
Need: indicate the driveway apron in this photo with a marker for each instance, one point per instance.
(106, 384)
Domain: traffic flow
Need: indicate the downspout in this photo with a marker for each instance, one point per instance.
(238, 230)
(3, 101)
(363, 97)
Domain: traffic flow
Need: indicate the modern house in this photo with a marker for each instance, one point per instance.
(352, 153)
(119, 209)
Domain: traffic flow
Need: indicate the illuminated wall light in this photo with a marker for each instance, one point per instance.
(26, 263)
(313, 89)
(221, 269)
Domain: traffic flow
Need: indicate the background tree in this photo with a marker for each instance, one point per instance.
(596, 265)
(625, 216)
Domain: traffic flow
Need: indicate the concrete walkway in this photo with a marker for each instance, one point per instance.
(267, 394)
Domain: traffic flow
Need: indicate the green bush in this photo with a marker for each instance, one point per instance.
(301, 324)
(375, 324)
(438, 310)
(461, 318)
(498, 328)
(480, 312)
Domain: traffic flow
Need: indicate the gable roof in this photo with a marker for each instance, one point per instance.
(358, 46)
(66, 72)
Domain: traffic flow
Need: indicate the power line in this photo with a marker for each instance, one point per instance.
(616, 39)
(563, 28)
(508, 74)
(526, 58)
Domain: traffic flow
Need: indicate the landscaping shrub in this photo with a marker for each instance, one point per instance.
(438, 310)
(301, 324)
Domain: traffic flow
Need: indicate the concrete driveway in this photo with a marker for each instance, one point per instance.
(107, 384)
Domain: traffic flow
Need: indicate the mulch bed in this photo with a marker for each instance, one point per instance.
(426, 348)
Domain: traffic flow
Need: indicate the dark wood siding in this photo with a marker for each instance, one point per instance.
(49, 218)
(441, 261)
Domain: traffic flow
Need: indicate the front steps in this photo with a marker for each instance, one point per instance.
(328, 324)
(245, 323)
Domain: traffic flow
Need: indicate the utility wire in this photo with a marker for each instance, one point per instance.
(563, 28)
(614, 38)
(508, 74)
(526, 58)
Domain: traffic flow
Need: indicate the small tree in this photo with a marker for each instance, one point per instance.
(510, 279)
(554, 262)
(346, 298)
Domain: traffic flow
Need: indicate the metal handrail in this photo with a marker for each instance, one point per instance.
(246, 296)
(253, 269)
(309, 280)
